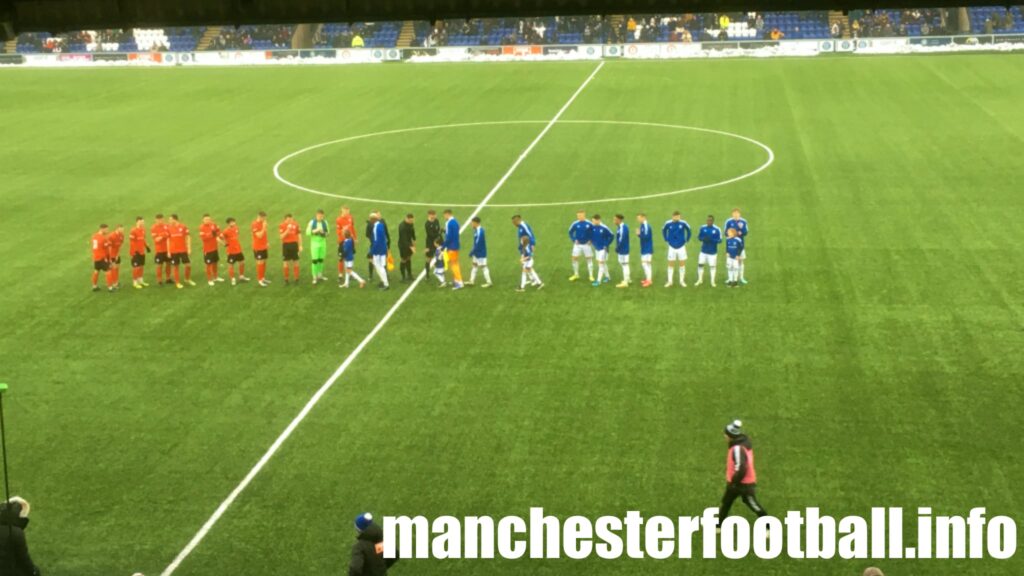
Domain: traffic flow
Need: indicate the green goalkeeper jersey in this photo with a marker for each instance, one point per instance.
(317, 232)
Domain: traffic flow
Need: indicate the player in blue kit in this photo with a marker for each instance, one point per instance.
(479, 254)
(646, 236)
(348, 254)
(733, 252)
(580, 232)
(738, 224)
(676, 233)
(622, 248)
(710, 237)
(523, 229)
(526, 260)
(439, 258)
(601, 238)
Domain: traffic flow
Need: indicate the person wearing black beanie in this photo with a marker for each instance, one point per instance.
(740, 474)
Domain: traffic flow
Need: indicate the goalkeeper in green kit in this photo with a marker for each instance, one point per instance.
(317, 232)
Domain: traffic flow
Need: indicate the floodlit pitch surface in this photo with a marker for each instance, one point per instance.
(875, 355)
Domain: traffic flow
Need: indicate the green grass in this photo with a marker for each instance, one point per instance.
(875, 356)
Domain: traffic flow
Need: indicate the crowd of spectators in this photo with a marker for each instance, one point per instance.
(586, 29)
(249, 37)
(705, 27)
(90, 40)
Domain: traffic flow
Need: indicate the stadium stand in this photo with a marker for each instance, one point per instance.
(372, 35)
(554, 30)
(138, 39)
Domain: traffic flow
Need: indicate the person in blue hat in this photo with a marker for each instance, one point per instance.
(368, 551)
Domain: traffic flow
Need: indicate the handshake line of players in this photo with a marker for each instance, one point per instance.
(591, 240)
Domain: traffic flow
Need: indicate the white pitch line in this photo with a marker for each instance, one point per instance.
(770, 158)
(223, 508)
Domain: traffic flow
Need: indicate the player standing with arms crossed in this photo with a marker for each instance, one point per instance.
(479, 254)
(676, 233)
(137, 249)
(209, 233)
(180, 248)
(646, 236)
(622, 248)
(710, 237)
(260, 244)
(162, 252)
(234, 249)
(101, 259)
(600, 238)
(451, 247)
(738, 224)
(579, 233)
(317, 232)
(291, 246)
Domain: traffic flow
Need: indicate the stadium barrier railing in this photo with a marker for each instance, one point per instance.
(660, 50)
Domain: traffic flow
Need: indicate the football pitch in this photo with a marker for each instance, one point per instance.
(875, 355)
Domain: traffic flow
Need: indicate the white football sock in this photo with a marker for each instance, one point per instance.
(671, 271)
(741, 269)
(647, 270)
(682, 275)
(487, 274)
(590, 267)
(713, 268)
(700, 272)
(472, 275)
(522, 282)
(625, 272)
(382, 272)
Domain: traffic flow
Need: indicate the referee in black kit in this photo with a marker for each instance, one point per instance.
(740, 474)
(406, 245)
(432, 227)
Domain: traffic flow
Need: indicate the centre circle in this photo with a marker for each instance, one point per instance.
(769, 158)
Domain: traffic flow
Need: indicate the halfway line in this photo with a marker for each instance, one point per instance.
(201, 534)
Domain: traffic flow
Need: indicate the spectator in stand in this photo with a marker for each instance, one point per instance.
(759, 24)
(723, 21)
(989, 28)
(834, 30)
(926, 30)
(776, 34)
(1008, 23)
(855, 29)
(357, 41)
(630, 25)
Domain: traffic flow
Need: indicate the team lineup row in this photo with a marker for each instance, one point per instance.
(591, 239)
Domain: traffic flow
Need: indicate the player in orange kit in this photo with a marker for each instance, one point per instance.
(137, 249)
(100, 258)
(115, 240)
(234, 248)
(180, 248)
(260, 242)
(291, 245)
(344, 222)
(162, 258)
(209, 232)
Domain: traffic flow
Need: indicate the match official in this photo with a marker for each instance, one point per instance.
(432, 227)
(740, 474)
(406, 245)
(368, 551)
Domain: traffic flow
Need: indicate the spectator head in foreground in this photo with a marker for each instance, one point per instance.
(872, 571)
